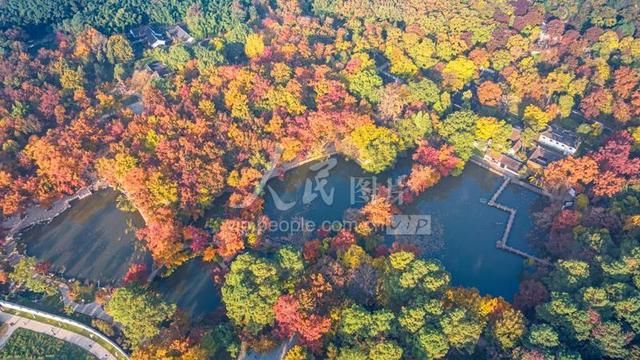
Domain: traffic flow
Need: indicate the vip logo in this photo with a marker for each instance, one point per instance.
(410, 225)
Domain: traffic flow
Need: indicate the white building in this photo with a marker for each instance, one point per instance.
(561, 140)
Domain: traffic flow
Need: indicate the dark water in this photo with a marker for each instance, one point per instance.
(341, 179)
(469, 229)
(190, 287)
(464, 228)
(93, 240)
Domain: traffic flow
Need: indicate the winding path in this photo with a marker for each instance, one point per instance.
(92, 309)
(17, 316)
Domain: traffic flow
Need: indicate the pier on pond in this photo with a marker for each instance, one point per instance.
(502, 243)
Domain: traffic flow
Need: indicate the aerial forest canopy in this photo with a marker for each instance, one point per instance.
(115, 16)
(185, 120)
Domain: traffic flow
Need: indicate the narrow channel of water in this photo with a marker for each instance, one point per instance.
(190, 287)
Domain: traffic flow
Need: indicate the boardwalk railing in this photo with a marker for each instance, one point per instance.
(72, 325)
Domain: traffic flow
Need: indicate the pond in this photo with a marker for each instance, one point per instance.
(93, 240)
(463, 228)
(191, 288)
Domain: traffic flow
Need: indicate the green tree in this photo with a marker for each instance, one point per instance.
(569, 274)
(24, 274)
(412, 319)
(386, 350)
(351, 354)
(412, 130)
(254, 284)
(359, 324)
(543, 335)
(425, 91)
(118, 49)
(175, 57)
(140, 312)
(610, 340)
(458, 129)
(462, 329)
(432, 343)
(27, 344)
(366, 84)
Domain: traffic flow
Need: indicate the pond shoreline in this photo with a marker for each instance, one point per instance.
(38, 215)
(272, 174)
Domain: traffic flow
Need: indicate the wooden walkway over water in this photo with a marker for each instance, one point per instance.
(502, 243)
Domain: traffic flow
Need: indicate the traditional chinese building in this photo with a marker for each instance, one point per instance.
(157, 69)
(178, 34)
(508, 161)
(515, 140)
(564, 141)
(543, 156)
(148, 36)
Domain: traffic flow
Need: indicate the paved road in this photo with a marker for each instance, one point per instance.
(13, 322)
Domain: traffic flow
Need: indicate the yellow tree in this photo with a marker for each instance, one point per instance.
(536, 118)
(254, 46)
(508, 328)
(377, 147)
(118, 49)
(401, 64)
(497, 132)
(458, 72)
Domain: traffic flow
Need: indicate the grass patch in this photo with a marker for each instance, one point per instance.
(78, 330)
(27, 344)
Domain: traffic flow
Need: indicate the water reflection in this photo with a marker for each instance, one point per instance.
(190, 287)
(465, 228)
(93, 240)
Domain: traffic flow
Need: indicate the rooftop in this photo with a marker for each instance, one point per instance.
(510, 163)
(515, 134)
(158, 68)
(544, 156)
(147, 34)
(561, 135)
(178, 33)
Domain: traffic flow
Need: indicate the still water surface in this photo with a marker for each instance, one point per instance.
(93, 239)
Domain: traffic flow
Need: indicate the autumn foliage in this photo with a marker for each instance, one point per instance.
(607, 170)
(291, 320)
